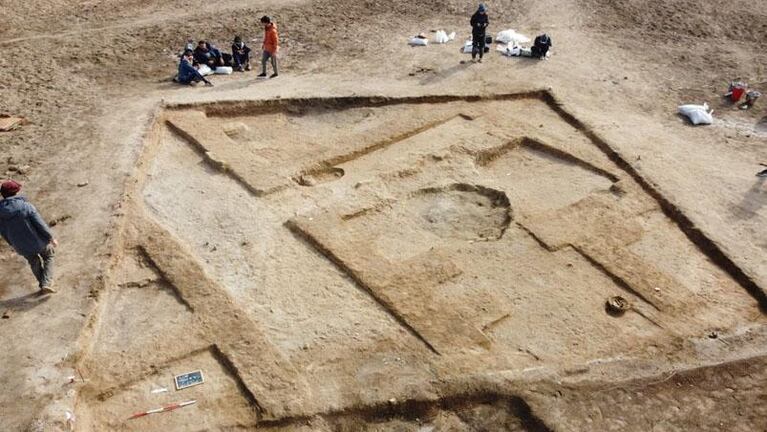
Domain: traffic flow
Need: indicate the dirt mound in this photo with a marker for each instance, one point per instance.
(739, 20)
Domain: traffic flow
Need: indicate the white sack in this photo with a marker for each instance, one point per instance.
(698, 114)
(511, 51)
(441, 37)
(511, 36)
(467, 47)
(416, 41)
(204, 70)
(223, 70)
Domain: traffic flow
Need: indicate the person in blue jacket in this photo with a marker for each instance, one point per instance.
(26, 231)
(188, 74)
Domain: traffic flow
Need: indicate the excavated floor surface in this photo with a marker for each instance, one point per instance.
(396, 264)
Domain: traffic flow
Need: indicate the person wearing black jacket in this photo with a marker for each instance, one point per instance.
(479, 22)
(207, 54)
(541, 46)
(240, 55)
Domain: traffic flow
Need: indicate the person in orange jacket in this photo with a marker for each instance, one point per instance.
(270, 47)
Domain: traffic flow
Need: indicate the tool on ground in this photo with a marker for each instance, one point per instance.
(751, 97)
(166, 408)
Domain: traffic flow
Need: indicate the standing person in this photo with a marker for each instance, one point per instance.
(479, 22)
(240, 55)
(270, 47)
(188, 74)
(23, 228)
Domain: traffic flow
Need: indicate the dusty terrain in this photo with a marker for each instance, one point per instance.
(388, 238)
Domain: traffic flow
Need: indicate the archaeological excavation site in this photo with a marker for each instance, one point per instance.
(397, 264)
(388, 235)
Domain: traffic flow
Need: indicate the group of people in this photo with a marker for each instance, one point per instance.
(198, 61)
(479, 23)
(203, 59)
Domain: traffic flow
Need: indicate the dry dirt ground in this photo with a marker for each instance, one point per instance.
(388, 238)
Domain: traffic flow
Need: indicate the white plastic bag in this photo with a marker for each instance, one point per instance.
(510, 50)
(416, 41)
(511, 36)
(467, 47)
(204, 70)
(441, 37)
(698, 114)
(223, 70)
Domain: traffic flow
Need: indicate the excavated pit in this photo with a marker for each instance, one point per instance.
(390, 264)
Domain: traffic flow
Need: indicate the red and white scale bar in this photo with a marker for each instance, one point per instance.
(166, 408)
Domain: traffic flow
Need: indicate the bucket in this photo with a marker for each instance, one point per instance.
(737, 93)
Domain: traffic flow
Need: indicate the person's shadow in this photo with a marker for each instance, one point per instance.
(761, 125)
(445, 73)
(752, 201)
(23, 303)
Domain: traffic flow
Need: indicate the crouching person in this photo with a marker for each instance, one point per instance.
(240, 55)
(188, 74)
(541, 46)
(23, 228)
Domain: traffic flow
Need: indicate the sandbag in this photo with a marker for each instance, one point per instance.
(223, 70)
(698, 114)
(510, 50)
(416, 41)
(511, 36)
(442, 37)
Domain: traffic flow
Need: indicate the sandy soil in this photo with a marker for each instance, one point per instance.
(334, 260)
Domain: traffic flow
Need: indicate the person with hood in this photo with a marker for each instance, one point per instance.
(270, 46)
(189, 46)
(240, 55)
(187, 73)
(26, 231)
(479, 22)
